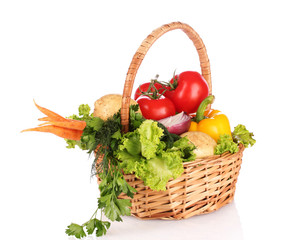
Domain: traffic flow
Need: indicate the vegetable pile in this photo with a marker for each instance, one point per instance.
(169, 123)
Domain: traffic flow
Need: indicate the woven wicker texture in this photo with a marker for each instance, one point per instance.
(206, 184)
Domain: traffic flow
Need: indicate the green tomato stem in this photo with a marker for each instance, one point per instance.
(201, 109)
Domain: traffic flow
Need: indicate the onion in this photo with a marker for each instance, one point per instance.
(177, 124)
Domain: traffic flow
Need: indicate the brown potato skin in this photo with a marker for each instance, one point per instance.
(108, 105)
(205, 144)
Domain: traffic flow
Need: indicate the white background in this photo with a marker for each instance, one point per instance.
(64, 53)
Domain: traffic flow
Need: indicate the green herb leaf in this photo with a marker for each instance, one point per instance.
(75, 230)
(104, 137)
(117, 135)
(100, 229)
(95, 123)
(124, 206)
(112, 211)
(91, 225)
(106, 224)
(125, 187)
(168, 138)
(136, 118)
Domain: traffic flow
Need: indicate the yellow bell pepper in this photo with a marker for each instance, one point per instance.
(214, 123)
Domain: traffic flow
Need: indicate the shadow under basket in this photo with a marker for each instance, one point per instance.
(206, 184)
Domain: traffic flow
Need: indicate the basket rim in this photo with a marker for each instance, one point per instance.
(215, 158)
(207, 160)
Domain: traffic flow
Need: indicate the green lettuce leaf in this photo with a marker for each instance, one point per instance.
(225, 144)
(131, 143)
(150, 135)
(84, 110)
(242, 135)
(157, 171)
(187, 149)
(143, 153)
(129, 163)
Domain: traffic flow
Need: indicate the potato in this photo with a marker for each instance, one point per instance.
(205, 144)
(108, 105)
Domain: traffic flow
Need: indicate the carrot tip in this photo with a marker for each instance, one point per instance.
(26, 130)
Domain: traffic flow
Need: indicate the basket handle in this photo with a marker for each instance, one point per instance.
(140, 54)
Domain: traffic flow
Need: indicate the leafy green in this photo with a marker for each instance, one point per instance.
(168, 138)
(149, 136)
(157, 171)
(100, 226)
(84, 110)
(91, 225)
(112, 185)
(75, 230)
(242, 135)
(135, 118)
(104, 137)
(186, 149)
(105, 134)
(93, 124)
(239, 135)
(72, 143)
(225, 144)
(79, 230)
(142, 152)
(84, 113)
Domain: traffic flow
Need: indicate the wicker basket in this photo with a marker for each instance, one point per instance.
(207, 184)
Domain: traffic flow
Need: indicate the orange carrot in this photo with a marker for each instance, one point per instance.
(54, 116)
(67, 133)
(43, 124)
(66, 119)
(45, 119)
(76, 125)
(58, 125)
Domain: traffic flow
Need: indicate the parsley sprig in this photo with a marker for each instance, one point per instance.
(90, 226)
(112, 185)
(103, 138)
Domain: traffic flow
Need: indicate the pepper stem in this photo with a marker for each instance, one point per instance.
(201, 109)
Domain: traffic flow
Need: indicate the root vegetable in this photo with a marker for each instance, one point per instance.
(62, 132)
(58, 125)
(108, 105)
(205, 144)
(177, 124)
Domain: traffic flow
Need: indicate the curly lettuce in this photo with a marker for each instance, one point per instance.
(150, 135)
(143, 153)
(242, 135)
(225, 144)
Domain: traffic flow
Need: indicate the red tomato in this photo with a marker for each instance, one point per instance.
(144, 87)
(190, 91)
(156, 109)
